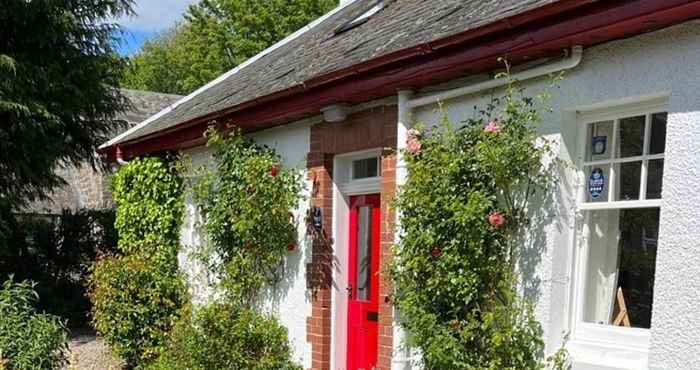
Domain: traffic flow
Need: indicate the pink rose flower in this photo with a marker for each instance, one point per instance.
(413, 133)
(492, 128)
(497, 219)
(273, 170)
(436, 252)
(413, 146)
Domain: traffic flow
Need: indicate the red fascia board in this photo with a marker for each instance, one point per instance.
(596, 22)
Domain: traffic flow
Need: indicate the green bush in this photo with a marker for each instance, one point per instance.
(150, 208)
(222, 337)
(28, 340)
(136, 301)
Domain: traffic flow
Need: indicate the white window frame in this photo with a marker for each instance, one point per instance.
(345, 177)
(607, 344)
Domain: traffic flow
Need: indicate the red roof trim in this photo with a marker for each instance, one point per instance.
(540, 32)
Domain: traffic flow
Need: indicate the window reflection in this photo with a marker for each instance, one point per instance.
(364, 253)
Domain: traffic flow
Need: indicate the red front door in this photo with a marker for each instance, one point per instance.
(363, 282)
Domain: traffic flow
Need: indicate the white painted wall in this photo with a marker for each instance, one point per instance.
(289, 300)
(662, 61)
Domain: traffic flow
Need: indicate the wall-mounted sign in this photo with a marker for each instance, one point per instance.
(596, 183)
(600, 144)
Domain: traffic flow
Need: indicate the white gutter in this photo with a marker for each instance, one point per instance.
(567, 63)
(226, 75)
(400, 359)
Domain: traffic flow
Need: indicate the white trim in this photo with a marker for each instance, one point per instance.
(226, 75)
(638, 158)
(622, 108)
(620, 204)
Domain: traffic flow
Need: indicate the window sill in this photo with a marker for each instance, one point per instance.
(601, 354)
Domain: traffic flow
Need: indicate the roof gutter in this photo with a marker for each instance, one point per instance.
(568, 63)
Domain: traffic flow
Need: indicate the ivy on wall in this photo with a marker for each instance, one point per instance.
(463, 212)
(148, 194)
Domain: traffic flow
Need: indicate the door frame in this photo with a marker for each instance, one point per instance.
(343, 189)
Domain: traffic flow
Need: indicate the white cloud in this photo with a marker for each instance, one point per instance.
(155, 15)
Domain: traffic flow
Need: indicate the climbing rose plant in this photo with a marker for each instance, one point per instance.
(246, 201)
(464, 209)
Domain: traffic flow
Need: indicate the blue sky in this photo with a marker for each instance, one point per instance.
(152, 17)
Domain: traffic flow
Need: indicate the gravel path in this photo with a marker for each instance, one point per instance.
(88, 352)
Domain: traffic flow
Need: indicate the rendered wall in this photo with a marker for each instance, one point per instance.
(658, 62)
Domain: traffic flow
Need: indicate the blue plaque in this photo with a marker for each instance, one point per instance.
(596, 183)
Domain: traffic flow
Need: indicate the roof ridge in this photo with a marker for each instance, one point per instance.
(229, 73)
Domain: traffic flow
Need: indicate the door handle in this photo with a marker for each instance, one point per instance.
(349, 290)
(373, 316)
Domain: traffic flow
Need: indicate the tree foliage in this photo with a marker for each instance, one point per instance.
(58, 89)
(463, 210)
(216, 36)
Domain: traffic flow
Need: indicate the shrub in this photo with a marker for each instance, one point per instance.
(28, 340)
(220, 336)
(136, 301)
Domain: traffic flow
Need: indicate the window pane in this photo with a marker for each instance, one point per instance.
(621, 267)
(657, 143)
(629, 176)
(598, 147)
(364, 253)
(597, 183)
(364, 168)
(655, 178)
(630, 140)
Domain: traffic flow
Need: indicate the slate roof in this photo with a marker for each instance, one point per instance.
(401, 24)
(86, 187)
(145, 104)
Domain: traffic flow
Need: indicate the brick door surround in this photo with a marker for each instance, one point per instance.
(369, 129)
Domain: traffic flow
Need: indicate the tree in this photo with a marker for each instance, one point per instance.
(216, 36)
(59, 79)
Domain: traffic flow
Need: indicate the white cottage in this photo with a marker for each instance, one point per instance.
(335, 95)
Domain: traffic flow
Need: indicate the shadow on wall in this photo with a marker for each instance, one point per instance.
(547, 207)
